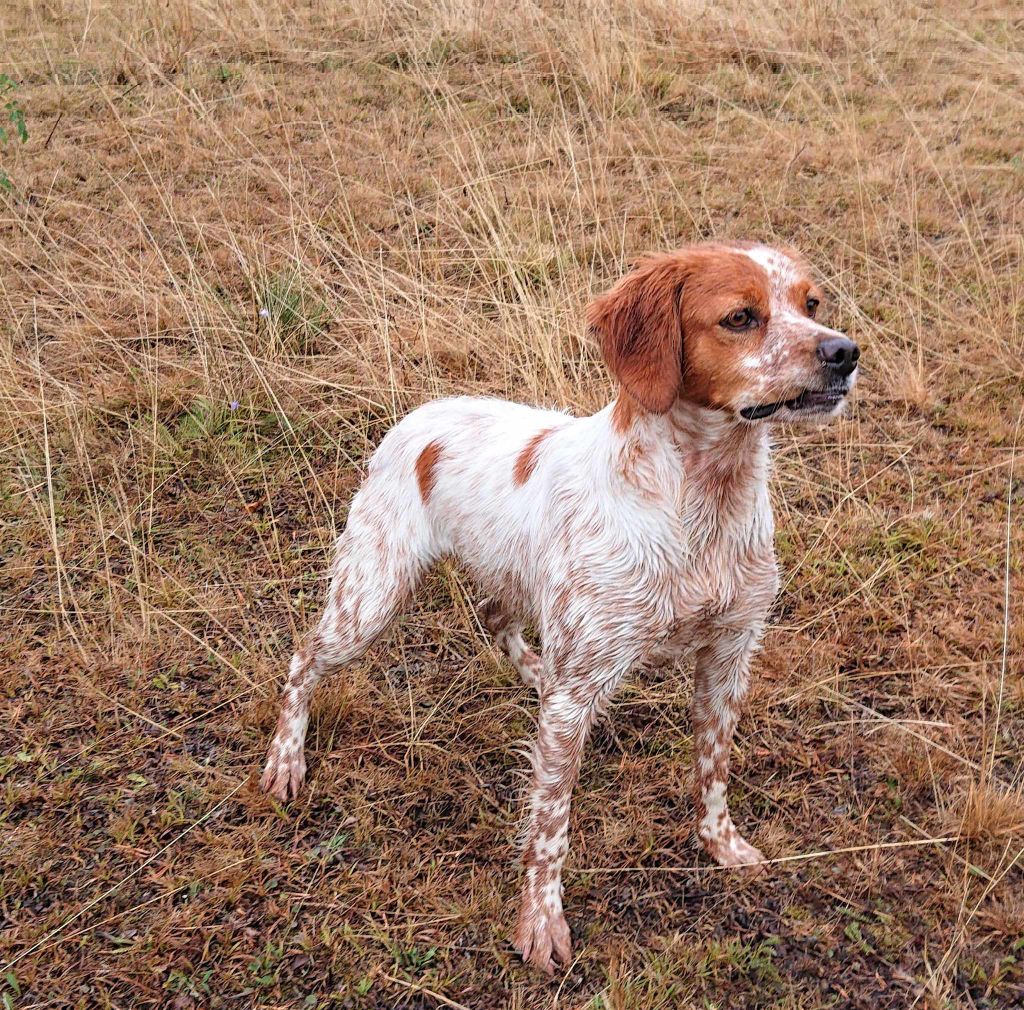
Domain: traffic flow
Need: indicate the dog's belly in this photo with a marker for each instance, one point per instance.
(686, 635)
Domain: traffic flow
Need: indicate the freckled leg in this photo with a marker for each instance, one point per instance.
(567, 713)
(508, 636)
(541, 933)
(721, 684)
(374, 576)
(285, 769)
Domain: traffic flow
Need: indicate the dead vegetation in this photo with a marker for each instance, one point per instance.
(240, 240)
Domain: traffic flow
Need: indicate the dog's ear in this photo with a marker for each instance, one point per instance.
(640, 331)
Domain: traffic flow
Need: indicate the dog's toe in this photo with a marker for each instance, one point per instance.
(738, 852)
(544, 942)
(283, 776)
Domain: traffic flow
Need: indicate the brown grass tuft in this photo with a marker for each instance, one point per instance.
(992, 813)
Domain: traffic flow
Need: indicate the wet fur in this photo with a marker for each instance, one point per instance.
(641, 534)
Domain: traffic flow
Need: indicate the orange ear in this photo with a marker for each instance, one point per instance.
(641, 333)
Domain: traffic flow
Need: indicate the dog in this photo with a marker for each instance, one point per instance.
(640, 534)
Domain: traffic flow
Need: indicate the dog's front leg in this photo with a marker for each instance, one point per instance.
(566, 714)
(721, 683)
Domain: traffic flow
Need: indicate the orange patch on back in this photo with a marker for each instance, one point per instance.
(527, 459)
(426, 464)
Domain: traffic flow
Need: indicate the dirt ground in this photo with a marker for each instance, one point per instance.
(238, 242)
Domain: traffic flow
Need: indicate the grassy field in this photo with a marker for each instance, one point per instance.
(239, 241)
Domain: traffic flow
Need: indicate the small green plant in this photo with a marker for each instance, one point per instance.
(265, 968)
(203, 420)
(165, 681)
(11, 991)
(329, 851)
(293, 313)
(13, 114)
(197, 985)
(856, 937)
(412, 959)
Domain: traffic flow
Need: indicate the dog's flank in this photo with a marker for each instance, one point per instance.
(639, 534)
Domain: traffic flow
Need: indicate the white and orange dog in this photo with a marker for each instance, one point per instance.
(641, 534)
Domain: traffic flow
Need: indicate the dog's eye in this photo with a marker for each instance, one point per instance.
(812, 306)
(741, 319)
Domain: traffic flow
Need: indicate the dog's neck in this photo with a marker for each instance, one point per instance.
(714, 440)
(719, 463)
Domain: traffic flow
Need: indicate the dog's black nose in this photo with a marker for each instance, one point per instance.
(838, 354)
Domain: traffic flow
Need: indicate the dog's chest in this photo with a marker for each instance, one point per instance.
(730, 586)
(715, 557)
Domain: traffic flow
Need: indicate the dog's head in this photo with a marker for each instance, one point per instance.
(729, 327)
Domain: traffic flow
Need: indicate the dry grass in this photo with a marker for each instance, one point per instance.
(422, 197)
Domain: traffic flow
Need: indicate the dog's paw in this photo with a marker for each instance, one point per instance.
(734, 850)
(284, 773)
(543, 940)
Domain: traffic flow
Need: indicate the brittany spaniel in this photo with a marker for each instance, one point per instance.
(641, 534)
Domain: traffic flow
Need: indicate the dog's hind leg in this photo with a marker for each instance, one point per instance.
(379, 561)
(508, 636)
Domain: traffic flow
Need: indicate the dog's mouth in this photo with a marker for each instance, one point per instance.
(810, 401)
